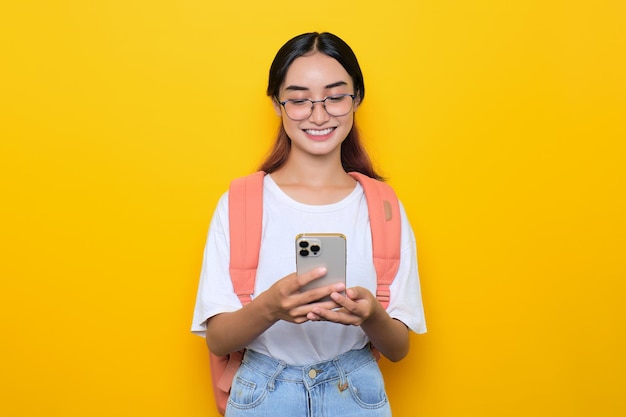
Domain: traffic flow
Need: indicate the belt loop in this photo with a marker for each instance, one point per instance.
(279, 369)
(343, 380)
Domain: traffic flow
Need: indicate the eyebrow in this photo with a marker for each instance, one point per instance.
(328, 87)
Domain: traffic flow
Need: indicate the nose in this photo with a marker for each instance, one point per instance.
(319, 115)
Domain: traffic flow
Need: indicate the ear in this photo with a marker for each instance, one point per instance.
(357, 103)
(277, 107)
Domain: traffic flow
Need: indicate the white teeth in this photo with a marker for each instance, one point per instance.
(319, 132)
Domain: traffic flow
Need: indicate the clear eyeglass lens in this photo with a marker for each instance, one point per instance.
(338, 105)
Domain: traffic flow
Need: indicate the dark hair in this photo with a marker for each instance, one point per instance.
(353, 154)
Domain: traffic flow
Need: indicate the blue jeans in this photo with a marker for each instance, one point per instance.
(350, 385)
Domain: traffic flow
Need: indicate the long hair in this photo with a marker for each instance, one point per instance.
(353, 154)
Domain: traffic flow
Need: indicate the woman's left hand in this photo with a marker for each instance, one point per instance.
(359, 307)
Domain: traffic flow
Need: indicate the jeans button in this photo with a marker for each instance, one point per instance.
(312, 373)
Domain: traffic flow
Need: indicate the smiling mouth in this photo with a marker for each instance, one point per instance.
(321, 132)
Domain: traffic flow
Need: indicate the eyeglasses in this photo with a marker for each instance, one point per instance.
(301, 108)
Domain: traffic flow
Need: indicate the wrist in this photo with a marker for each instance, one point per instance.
(262, 310)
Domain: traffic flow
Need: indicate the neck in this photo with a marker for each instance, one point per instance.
(313, 180)
(312, 171)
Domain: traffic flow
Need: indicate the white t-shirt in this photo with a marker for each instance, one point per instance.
(283, 219)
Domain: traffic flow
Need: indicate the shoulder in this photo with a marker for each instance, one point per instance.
(251, 180)
(246, 190)
(370, 184)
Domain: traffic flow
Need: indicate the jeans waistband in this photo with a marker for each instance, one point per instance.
(312, 374)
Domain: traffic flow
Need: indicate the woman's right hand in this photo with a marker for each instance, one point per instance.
(228, 332)
(286, 302)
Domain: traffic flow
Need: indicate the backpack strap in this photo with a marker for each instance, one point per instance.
(384, 215)
(245, 217)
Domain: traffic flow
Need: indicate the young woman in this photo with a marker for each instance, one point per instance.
(308, 358)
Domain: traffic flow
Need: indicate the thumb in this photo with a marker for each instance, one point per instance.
(353, 293)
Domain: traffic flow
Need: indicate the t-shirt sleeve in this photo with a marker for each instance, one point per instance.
(406, 297)
(215, 289)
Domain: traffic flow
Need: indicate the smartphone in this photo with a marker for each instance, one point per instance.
(321, 249)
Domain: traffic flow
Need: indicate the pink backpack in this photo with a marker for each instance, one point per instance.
(245, 202)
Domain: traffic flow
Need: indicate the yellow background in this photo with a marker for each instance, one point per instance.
(500, 123)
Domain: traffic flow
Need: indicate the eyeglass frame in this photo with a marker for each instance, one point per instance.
(313, 102)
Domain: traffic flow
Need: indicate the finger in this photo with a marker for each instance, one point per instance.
(336, 316)
(300, 319)
(354, 293)
(293, 282)
(342, 300)
(327, 305)
(316, 314)
(313, 317)
(315, 295)
(305, 309)
(311, 275)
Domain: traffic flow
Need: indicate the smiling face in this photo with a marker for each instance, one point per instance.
(315, 77)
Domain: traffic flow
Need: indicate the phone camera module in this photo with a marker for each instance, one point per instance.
(309, 247)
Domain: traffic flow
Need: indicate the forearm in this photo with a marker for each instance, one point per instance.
(229, 332)
(388, 335)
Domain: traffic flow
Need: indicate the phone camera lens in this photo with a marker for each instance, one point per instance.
(304, 244)
(304, 252)
(315, 248)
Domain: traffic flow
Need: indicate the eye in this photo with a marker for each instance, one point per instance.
(336, 99)
(299, 102)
